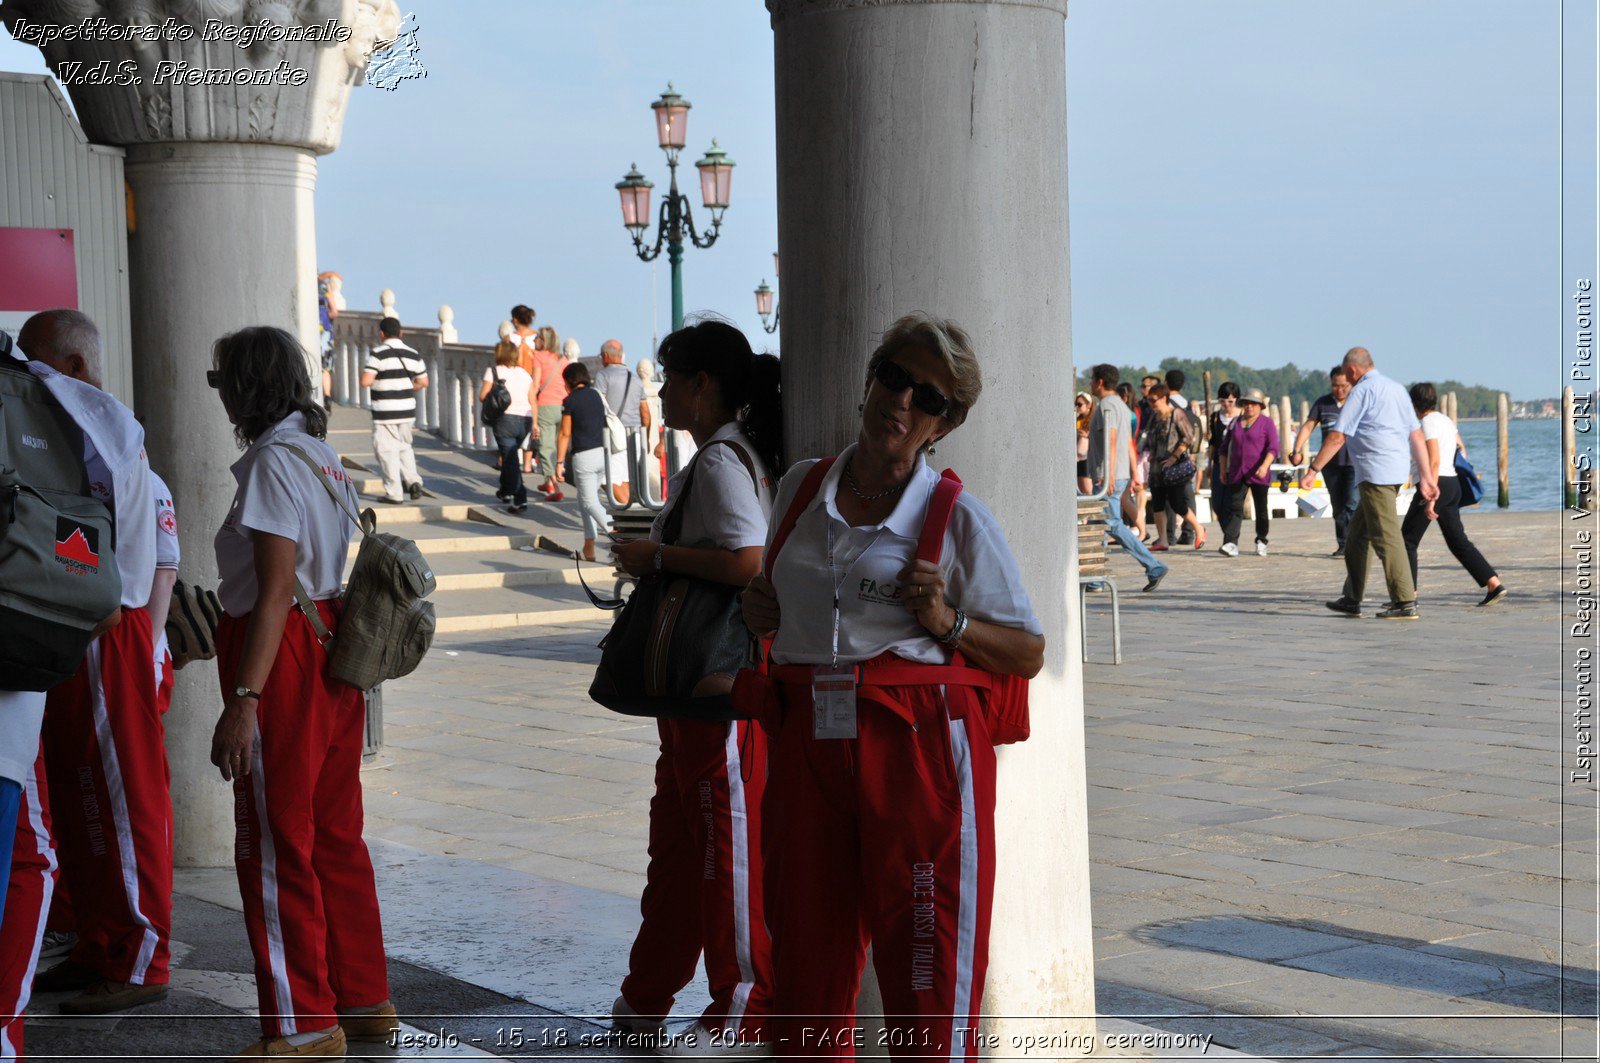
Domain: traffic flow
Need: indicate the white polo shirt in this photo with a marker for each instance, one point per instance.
(981, 574)
(167, 552)
(726, 510)
(119, 474)
(278, 495)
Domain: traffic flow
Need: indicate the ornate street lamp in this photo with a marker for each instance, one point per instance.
(764, 307)
(764, 300)
(676, 220)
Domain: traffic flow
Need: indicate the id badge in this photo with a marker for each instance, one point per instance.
(833, 702)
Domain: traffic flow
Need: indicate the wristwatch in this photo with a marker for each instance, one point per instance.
(661, 550)
(245, 692)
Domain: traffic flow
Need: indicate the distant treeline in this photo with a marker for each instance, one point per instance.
(1299, 384)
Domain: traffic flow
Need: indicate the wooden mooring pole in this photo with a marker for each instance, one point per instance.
(1502, 420)
(1569, 450)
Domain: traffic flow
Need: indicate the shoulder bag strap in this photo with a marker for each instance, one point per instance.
(802, 498)
(943, 503)
(366, 523)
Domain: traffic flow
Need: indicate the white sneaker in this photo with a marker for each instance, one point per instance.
(626, 1020)
(700, 1043)
(1229, 550)
(57, 943)
(1261, 549)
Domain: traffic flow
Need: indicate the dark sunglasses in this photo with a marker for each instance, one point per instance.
(925, 397)
(214, 378)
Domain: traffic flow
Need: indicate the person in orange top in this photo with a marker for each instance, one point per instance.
(551, 389)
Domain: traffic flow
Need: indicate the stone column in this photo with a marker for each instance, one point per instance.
(222, 235)
(922, 166)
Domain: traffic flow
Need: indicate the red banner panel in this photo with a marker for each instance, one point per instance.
(38, 269)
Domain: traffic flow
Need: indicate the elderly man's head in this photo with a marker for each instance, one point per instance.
(65, 340)
(1357, 363)
(611, 352)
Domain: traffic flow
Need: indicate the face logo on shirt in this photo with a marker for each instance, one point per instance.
(77, 547)
(878, 592)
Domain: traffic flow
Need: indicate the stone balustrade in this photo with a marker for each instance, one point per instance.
(449, 406)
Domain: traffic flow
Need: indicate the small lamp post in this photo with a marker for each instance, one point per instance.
(764, 300)
(675, 217)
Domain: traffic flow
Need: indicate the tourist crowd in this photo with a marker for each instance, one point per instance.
(1142, 452)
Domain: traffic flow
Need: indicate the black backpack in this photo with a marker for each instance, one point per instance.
(496, 403)
(58, 565)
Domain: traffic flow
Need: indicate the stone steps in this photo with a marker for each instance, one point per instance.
(489, 575)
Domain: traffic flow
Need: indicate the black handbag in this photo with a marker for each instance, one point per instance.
(496, 403)
(673, 633)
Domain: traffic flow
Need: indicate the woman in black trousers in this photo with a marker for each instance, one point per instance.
(1442, 440)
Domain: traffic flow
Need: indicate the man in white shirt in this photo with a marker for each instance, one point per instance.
(625, 396)
(395, 374)
(103, 737)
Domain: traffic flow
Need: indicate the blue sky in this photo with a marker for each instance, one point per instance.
(1257, 179)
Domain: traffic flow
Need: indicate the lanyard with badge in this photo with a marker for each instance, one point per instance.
(833, 685)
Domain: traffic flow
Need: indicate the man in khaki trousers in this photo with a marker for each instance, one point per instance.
(1386, 448)
(395, 374)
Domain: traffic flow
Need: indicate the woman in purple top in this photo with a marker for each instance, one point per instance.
(1246, 464)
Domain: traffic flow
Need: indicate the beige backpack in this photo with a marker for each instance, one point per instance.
(387, 624)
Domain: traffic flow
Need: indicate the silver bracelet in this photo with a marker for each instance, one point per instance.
(661, 550)
(952, 638)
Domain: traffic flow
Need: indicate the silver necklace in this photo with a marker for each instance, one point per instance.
(866, 499)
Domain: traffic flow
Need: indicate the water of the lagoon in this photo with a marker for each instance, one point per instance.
(1535, 461)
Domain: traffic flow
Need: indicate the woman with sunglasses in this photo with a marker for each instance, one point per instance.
(289, 738)
(1083, 407)
(703, 886)
(880, 791)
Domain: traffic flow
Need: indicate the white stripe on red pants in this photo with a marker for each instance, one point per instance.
(310, 900)
(33, 875)
(703, 889)
(109, 786)
(886, 838)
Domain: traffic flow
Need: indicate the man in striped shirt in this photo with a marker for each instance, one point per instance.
(395, 374)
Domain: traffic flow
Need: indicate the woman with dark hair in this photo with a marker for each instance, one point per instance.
(703, 892)
(1442, 439)
(290, 737)
(580, 450)
(1218, 425)
(881, 794)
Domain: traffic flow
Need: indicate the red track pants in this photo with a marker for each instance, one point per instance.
(310, 901)
(112, 799)
(703, 889)
(887, 838)
(33, 876)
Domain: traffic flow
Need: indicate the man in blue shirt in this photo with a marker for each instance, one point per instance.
(1379, 426)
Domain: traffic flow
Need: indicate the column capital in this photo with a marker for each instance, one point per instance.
(174, 70)
(782, 9)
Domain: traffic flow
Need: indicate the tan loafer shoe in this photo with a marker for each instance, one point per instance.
(374, 1025)
(107, 996)
(329, 1047)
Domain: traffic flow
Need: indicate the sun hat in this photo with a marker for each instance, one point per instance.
(1255, 395)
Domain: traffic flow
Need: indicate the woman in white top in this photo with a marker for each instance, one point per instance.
(290, 736)
(513, 426)
(1442, 440)
(703, 892)
(880, 793)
